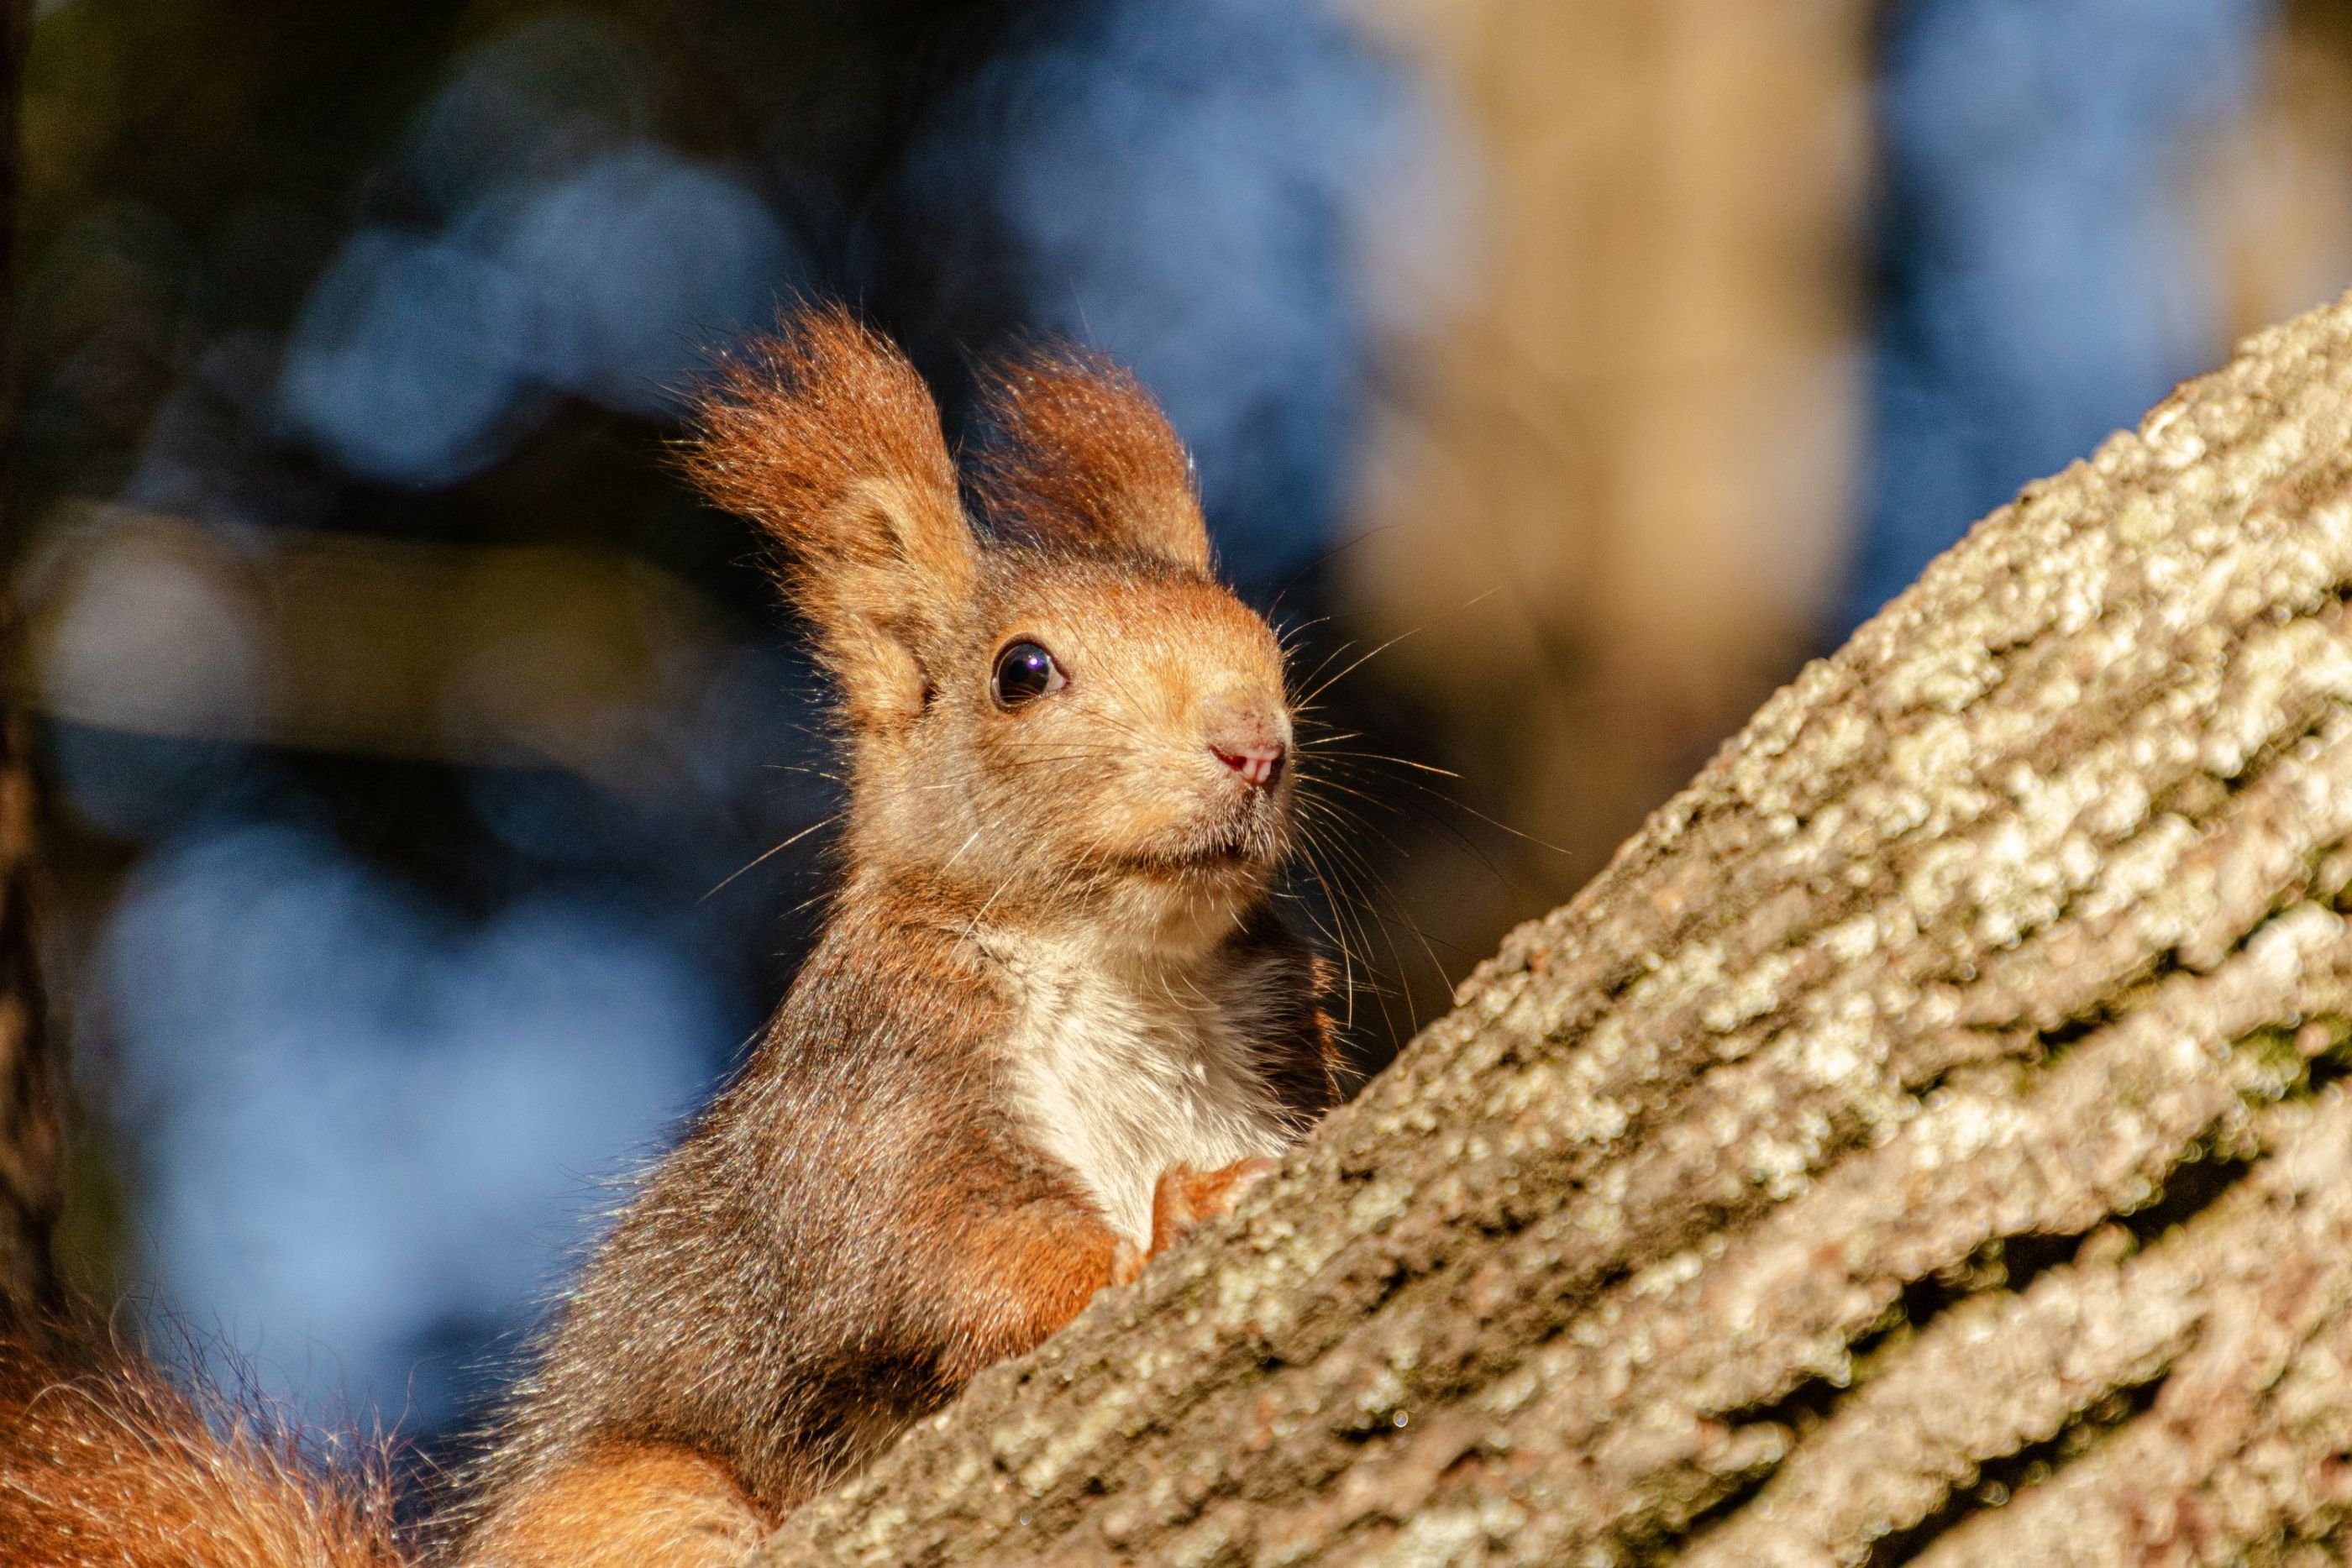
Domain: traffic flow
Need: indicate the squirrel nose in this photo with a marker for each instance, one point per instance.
(1257, 764)
(1250, 738)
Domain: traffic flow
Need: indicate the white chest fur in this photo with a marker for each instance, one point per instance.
(1122, 1072)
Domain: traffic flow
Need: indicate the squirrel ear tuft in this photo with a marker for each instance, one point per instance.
(1085, 458)
(825, 436)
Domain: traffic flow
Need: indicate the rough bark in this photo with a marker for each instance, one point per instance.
(1923, 1143)
(30, 1133)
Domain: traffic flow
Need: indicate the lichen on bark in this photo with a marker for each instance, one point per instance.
(1923, 1142)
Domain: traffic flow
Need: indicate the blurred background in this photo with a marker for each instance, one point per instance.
(1570, 371)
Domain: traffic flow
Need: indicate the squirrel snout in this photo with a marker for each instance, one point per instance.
(1256, 764)
(1251, 740)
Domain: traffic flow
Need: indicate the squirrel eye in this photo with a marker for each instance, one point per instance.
(1025, 672)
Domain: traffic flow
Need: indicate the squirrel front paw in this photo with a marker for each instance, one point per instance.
(1185, 1196)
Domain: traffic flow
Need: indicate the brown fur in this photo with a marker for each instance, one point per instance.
(869, 1214)
(826, 438)
(629, 1505)
(1088, 461)
(1185, 1198)
(108, 1466)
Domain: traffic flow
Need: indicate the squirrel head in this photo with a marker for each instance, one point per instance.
(1067, 718)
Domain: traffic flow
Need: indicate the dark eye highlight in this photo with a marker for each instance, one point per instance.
(1025, 672)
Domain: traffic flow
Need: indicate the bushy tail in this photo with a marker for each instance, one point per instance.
(107, 1465)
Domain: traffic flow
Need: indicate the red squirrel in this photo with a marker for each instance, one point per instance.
(1051, 1022)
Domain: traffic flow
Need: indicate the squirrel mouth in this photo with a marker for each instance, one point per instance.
(1240, 846)
(1213, 860)
(1216, 846)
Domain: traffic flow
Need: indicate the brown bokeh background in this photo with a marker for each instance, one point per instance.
(1613, 508)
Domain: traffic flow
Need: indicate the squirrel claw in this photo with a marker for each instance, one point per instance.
(1185, 1198)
